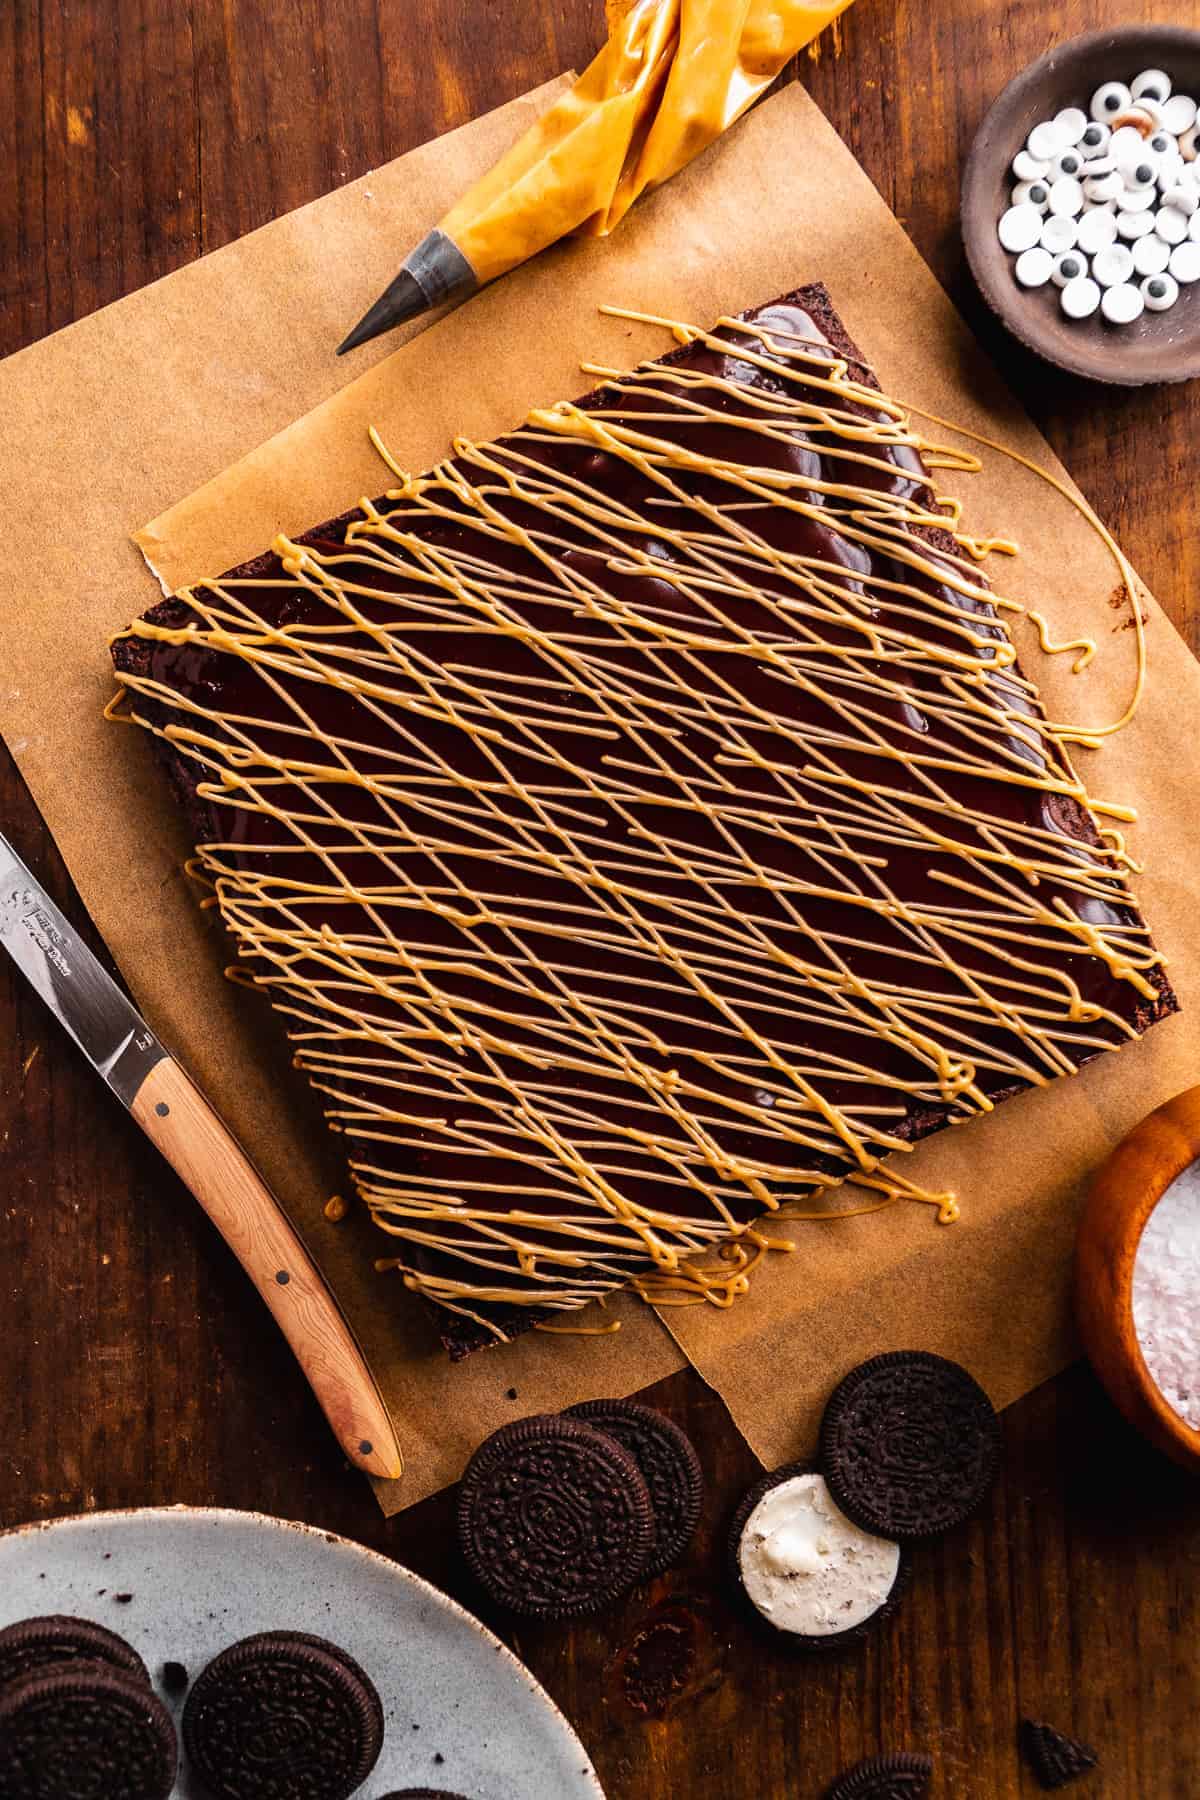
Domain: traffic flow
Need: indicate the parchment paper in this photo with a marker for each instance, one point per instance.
(779, 202)
(104, 424)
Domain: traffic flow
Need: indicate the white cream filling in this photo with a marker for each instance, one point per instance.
(806, 1567)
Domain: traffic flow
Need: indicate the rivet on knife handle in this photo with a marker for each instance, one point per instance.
(173, 1112)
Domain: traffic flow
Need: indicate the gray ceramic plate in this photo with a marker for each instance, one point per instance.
(198, 1579)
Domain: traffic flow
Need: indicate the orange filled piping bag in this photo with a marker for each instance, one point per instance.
(672, 76)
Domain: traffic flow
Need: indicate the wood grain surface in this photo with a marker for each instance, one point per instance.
(136, 1364)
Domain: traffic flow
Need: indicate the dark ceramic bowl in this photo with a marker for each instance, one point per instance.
(1161, 346)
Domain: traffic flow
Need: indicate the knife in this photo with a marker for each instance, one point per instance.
(202, 1150)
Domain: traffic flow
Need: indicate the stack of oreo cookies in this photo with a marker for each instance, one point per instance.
(79, 1719)
(559, 1515)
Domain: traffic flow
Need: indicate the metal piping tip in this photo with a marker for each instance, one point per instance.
(402, 299)
(436, 271)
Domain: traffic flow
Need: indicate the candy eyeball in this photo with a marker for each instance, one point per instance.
(1185, 262)
(1122, 304)
(1068, 267)
(1159, 292)
(1171, 224)
(1032, 193)
(1059, 233)
(1079, 298)
(1150, 254)
(1179, 114)
(1034, 267)
(1045, 141)
(1132, 225)
(1069, 162)
(1113, 265)
(1071, 124)
(1028, 168)
(1162, 143)
(1094, 141)
(1189, 144)
(1097, 230)
(1151, 84)
(1109, 100)
(1020, 227)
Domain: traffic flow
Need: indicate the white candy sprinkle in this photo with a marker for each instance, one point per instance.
(1109, 100)
(1185, 262)
(1094, 141)
(1171, 224)
(1166, 1295)
(1066, 197)
(1035, 267)
(1150, 254)
(1184, 199)
(1151, 84)
(1097, 230)
(1113, 266)
(1028, 168)
(1159, 292)
(1080, 298)
(1059, 234)
(1104, 187)
(1126, 138)
(1122, 304)
(1045, 141)
(1137, 164)
(1020, 228)
(1179, 114)
(1072, 122)
(1136, 199)
(1067, 267)
(1132, 225)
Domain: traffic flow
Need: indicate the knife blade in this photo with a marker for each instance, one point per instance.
(175, 1115)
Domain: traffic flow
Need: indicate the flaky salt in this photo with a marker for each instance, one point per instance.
(1166, 1295)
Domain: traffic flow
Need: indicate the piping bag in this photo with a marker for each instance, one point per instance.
(672, 76)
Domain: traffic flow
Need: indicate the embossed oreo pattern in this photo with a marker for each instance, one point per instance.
(669, 1466)
(909, 1444)
(283, 1716)
(55, 1639)
(554, 1517)
(904, 1776)
(85, 1732)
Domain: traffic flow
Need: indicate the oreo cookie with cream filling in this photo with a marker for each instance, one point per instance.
(807, 1571)
(909, 1445)
(669, 1465)
(81, 1730)
(55, 1639)
(283, 1716)
(554, 1517)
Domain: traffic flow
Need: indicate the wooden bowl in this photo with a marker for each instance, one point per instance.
(1124, 1193)
(1158, 347)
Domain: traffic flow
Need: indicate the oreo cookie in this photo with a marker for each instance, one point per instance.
(1054, 1757)
(805, 1572)
(904, 1776)
(669, 1465)
(45, 1643)
(554, 1518)
(909, 1445)
(283, 1716)
(84, 1731)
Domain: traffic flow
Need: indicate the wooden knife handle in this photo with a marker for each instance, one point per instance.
(173, 1112)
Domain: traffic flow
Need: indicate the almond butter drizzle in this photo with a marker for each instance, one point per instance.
(595, 1237)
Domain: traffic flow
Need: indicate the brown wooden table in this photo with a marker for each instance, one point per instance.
(134, 1365)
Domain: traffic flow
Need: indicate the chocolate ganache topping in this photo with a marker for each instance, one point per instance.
(641, 822)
